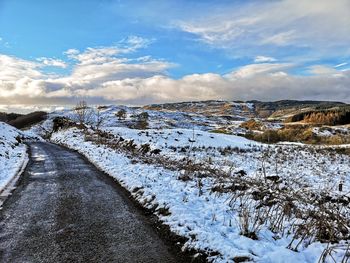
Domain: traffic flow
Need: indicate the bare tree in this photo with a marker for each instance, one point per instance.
(99, 118)
(82, 112)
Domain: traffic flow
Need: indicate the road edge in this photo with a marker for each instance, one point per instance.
(10, 186)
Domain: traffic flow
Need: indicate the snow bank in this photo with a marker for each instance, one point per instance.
(13, 154)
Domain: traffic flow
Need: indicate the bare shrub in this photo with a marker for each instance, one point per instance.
(329, 253)
(252, 125)
(249, 218)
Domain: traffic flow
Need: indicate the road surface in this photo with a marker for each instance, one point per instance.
(65, 210)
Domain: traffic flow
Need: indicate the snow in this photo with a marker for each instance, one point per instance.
(181, 138)
(207, 219)
(13, 154)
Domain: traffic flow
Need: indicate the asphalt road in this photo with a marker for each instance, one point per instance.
(65, 210)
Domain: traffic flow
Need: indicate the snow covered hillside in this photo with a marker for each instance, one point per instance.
(232, 198)
(157, 119)
(13, 156)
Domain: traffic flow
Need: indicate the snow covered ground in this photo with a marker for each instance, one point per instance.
(13, 154)
(319, 168)
(207, 218)
(166, 138)
(202, 184)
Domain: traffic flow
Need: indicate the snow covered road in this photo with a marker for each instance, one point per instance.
(66, 210)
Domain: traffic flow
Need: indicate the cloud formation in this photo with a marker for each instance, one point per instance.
(106, 75)
(318, 25)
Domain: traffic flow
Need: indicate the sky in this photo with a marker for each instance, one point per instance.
(55, 53)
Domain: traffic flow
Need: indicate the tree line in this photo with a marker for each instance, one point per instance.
(338, 116)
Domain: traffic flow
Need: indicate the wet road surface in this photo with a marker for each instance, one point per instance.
(65, 210)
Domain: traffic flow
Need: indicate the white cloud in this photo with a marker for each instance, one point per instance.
(266, 81)
(323, 70)
(102, 75)
(252, 70)
(24, 80)
(280, 39)
(317, 24)
(213, 86)
(341, 65)
(261, 59)
(70, 52)
(52, 62)
(12, 68)
(103, 64)
(133, 43)
(101, 55)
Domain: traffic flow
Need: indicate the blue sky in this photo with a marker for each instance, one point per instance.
(185, 50)
(48, 28)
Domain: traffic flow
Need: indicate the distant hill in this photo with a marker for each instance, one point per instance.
(285, 108)
(236, 109)
(21, 121)
(276, 110)
(6, 117)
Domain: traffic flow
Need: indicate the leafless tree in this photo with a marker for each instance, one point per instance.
(99, 118)
(83, 112)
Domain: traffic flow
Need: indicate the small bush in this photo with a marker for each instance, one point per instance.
(302, 134)
(121, 114)
(252, 125)
(221, 130)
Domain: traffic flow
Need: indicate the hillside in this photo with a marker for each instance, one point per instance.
(6, 117)
(21, 121)
(277, 110)
(230, 109)
(332, 116)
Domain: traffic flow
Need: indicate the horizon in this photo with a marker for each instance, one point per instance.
(135, 53)
(25, 109)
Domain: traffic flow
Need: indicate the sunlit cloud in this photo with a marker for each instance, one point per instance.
(107, 80)
(109, 75)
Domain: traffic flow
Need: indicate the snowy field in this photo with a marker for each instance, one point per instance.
(207, 218)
